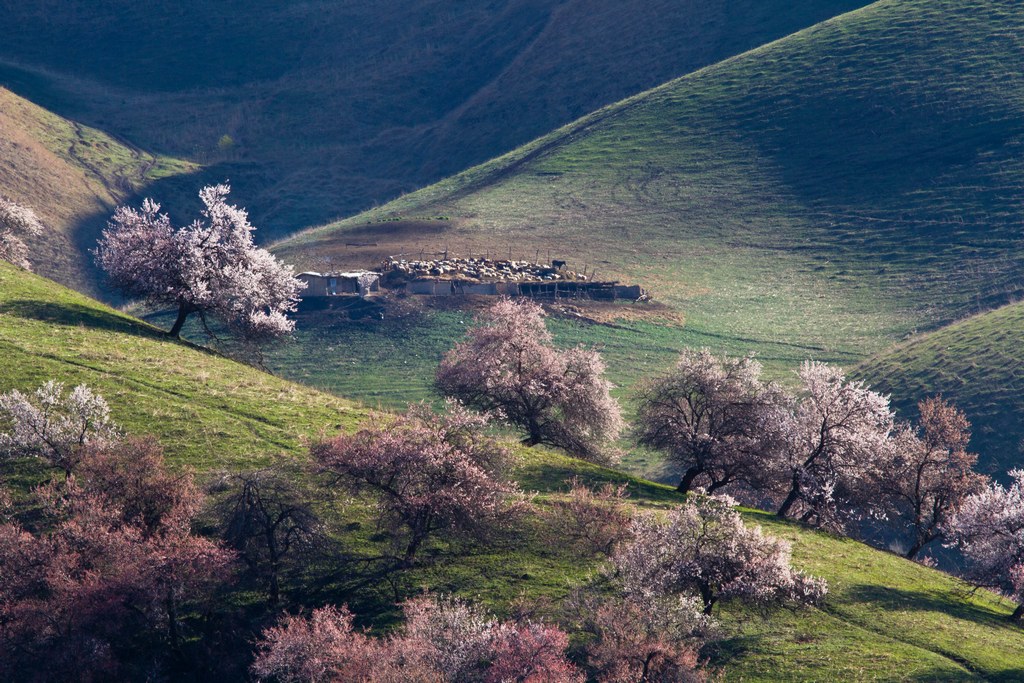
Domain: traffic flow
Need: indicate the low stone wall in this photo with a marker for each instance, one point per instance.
(600, 291)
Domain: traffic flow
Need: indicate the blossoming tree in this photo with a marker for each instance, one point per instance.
(429, 472)
(16, 222)
(509, 365)
(714, 418)
(209, 267)
(838, 434)
(54, 426)
(989, 529)
(706, 551)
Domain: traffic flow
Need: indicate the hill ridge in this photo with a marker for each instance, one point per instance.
(770, 183)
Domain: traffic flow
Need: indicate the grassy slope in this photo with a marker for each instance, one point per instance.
(975, 363)
(390, 363)
(334, 107)
(827, 194)
(73, 176)
(886, 619)
(208, 411)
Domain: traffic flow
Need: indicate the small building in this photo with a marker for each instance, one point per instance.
(361, 283)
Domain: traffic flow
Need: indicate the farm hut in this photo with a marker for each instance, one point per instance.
(354, 283)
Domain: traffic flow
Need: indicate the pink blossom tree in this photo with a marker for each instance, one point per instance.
(929, 474)
(530, 652)
(323, 648)
(838, 434)
(429, 472)
(989, 529)
(210, 267)
(89, 593)
(509, 365)
(17, 222)
(654, 641)
(714, 417)
(706, 551)
(592, 521)
(443, 640)
(54, 426)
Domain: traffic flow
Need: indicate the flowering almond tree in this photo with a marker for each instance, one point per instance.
(594, 522)
(706, 551)
(713, 417)
(839, 433)
(444, 640)
(429, 472)
(210, 267)
(655, 640)
(16, 221)
(930, 473)
(989, 529)
(54, 426)
(95, 592)
(509, 365)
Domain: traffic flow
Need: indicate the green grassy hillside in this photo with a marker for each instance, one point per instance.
(975, 363)
(334, 107)
(208, 411)
(829, 193)
(885, 618)
(73, 176)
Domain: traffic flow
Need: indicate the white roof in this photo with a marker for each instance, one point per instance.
(349, 274)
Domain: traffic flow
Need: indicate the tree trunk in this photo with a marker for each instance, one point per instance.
(275, 566)
(1018, 613)
(914, 550)
(715, 485)
(184, 310)
(275, 585)
(535, 436)
(647, 667)
(410, 550)
(687, 480)
(173, 635)
(709, 598)
(787, 505)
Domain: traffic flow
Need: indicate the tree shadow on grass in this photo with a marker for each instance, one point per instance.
(76, 315)
(555, 476)
(954, 603)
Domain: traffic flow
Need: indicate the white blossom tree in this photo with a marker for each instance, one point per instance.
(705, 551)
(509, 366)
(210, 267)
(714, 417)
(16, 222)
(838, 434)
(54, 426)
(989, 529)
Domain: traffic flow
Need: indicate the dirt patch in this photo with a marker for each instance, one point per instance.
(606, 313)
(398, 229)
(590, 312)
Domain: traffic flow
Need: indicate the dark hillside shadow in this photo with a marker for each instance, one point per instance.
(74, 315)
